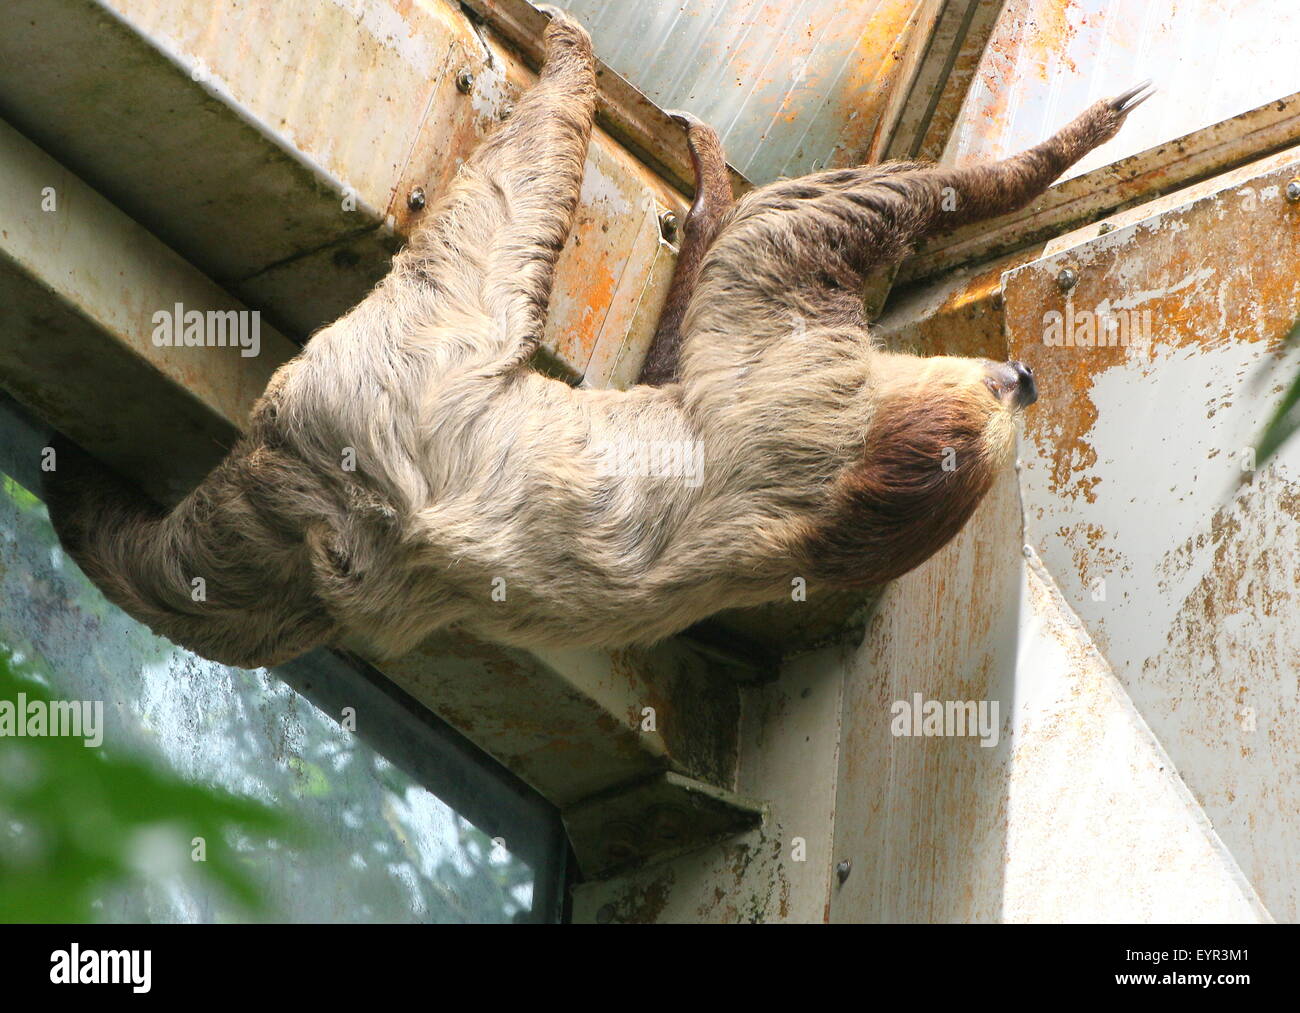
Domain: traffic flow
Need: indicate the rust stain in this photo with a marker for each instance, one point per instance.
(1204, 278)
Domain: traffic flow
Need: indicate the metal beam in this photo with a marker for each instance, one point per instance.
(1093, 195)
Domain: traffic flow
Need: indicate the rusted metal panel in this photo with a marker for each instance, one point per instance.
(936, 97)
(1158, 170)
(1071, 812)
(1131, 457)
(599, 278)
(922, 820)
(1100, 826)
(633, 315)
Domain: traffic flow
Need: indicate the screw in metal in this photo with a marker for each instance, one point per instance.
(668, 225)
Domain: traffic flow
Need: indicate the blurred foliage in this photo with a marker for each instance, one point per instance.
(72, 816)
(97, 833)
(1285, 419)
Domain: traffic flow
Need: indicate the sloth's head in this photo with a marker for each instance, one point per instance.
(942, 428)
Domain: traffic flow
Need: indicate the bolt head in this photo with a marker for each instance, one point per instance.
(1067, 279)
(668, 225)
(842, 870)
(1293, 190)
(464, 80)
(415, 199)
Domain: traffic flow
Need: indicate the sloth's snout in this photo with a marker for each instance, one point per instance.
(1013, 383)
(1026, 389)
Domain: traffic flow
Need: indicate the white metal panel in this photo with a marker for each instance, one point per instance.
(1048, 59)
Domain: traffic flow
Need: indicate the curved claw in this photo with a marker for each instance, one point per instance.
(686, 119)
(1133, 98)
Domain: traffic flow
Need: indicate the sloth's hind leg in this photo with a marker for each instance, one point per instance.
(488, 248)
(713, 199)
(793, 256)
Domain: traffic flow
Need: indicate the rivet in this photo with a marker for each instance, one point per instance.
(605, 914)
(415, 199)
(842, 870)
(1293, 190)
(1067, 279)
(1104, 228)
(464, 80)
(668, 225)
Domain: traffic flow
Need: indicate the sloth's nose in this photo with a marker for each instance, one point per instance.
(1026, 389)
(1012, 383)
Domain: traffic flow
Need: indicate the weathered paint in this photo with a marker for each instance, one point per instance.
(1132, 453)
(780, 872)
(1076, 813)
(1211, 59)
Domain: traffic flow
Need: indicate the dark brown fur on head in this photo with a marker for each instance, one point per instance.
(937, 438)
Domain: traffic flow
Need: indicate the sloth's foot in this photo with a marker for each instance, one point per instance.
(712, 183)
(566, 43)
(563, 25)
(1101, 120)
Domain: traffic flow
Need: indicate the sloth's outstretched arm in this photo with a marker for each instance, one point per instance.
(482, 262)
(794, 254)
(713, 199)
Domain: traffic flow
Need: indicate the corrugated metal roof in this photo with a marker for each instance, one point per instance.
(791, 86)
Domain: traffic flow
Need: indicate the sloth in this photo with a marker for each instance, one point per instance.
(409, 470)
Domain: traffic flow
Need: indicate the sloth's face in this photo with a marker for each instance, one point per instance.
(942, 428)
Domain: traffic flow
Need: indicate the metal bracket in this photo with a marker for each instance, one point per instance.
(662, 816)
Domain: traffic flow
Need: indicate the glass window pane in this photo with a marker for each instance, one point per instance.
(381, 845)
